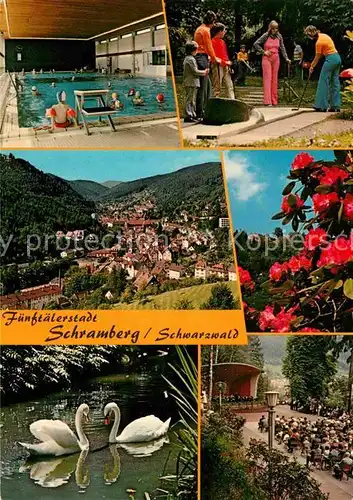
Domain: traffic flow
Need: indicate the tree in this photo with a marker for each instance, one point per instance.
(310, 366)
(337, 392)
(117, 281)
(184, 304)
(221, 298)
(344, 345)
(278, 232)
(281, 478)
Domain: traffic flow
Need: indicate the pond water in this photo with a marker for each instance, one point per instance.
(105, 472)
(31, 109)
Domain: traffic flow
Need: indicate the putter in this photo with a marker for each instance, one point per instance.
(302, 96)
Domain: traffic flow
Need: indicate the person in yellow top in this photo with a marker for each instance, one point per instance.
(242, 58)
(328, 96)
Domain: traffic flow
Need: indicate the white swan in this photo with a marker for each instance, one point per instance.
(139, 431)
(53, 472)
(57, 438)
(144, 449)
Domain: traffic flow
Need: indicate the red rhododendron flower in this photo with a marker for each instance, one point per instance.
(308, 329)
(302, 160)
(266, 317)
(286, 208)
(280, 323)
(245, 278)
(339, 252)
(332, 174)
(277, 270)
(323, 202)
(348, 207)
(299, 262)
(315, 238)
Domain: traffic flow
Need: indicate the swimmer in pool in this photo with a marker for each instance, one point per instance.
(115, 103)
(53, 84)
(131, 92)
(61, 114)
(33, 71)
(160, 98)
(35, 92)
(138, 100)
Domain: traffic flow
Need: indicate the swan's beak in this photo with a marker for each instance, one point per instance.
(107, 420)
(88, 418)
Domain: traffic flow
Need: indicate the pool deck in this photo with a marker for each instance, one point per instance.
(158, 130)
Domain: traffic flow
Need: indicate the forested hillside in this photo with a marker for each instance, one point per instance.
(35, 203)
(88, 189)
(187, 188)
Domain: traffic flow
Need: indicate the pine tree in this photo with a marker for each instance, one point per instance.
(221, 298)
(309, 366)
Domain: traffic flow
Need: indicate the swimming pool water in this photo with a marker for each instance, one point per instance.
(31, 109)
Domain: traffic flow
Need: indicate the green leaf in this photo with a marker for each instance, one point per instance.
(280, 215)
(324, 189)
(288, 218)
(288, 188)
(349, 182)
(339, 284)
(348, 288)
(327, 288)
(298, 321)
(292, 201)
(302, 216)
(305, 193)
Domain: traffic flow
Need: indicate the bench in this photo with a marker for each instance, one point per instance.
(100, 96)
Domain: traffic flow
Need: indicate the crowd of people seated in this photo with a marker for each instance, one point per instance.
(236, 398)
(326, 443)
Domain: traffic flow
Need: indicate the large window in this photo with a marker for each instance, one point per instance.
(158, 58)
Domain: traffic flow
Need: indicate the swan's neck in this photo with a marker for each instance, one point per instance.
(115, 428)
(81, 473)
(82, 439)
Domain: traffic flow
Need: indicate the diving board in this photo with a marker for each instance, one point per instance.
(101, 109)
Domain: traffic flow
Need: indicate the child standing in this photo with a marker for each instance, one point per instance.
(191, 80)
(242, 58)
(220, 71)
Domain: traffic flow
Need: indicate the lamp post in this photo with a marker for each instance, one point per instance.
(271, 401)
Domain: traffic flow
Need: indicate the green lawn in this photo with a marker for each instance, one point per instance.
(196, 294)
(340, 140)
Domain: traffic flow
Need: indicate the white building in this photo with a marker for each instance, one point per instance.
(232, 274)
(175, 272)
(139, 48)
(223, 222)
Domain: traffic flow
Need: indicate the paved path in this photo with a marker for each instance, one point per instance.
(149, 134)
(277, 122)
(281, 128)
(336, 126)
(338, 490)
